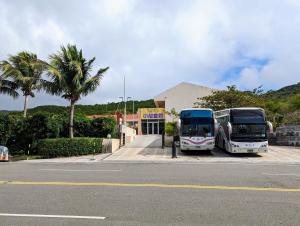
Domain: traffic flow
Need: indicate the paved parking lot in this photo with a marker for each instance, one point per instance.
(147, 148)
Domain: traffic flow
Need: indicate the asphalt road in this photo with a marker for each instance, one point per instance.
(149, 194)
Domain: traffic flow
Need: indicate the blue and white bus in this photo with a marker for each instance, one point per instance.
(196, 128)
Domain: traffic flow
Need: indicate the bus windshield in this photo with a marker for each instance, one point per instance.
(197, 123)
(242, 116)
(200, 127)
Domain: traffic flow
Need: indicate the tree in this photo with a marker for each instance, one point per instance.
(70, 75)
(26, 70)
(294, 102)
(8, 87)
(292, 118)
(230, 98)
(5, 128)
(173, 114)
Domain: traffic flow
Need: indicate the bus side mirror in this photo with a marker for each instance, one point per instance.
(216, 124)
(229, 128)
(270, 127)
(178, 123)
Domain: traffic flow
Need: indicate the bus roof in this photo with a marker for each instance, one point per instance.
(197, 113)
(196, 109)
(248, 108)
(242, 108)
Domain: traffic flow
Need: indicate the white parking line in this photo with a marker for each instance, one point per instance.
(282, 174)
(51, 216)
(69, 170)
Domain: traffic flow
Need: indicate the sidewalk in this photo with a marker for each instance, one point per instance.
(75, 159)
(276, 154)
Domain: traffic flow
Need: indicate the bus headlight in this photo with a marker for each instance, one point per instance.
(235, 145)
(263, 145)
(210, 143)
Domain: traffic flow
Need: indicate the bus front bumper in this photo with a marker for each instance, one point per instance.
(197, 148)
(253, 147)
(197, 143)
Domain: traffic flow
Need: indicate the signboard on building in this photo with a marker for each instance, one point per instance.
(152, 113)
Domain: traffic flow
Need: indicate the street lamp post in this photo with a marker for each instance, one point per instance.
(124, 101)
(132, 106)
(128, 98)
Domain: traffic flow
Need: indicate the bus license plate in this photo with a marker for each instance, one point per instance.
(250, 150)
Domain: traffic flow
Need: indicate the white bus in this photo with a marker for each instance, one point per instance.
(242, 130)
(196, 128)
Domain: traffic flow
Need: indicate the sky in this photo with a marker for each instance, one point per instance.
(158, 44)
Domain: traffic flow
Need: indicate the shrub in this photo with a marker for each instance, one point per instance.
(170, 128)
(42, 126)
(27, 132)
(65, 147)
(101, 127)
(81, 127)
(84, 127)
(5, 128)
(20, 138)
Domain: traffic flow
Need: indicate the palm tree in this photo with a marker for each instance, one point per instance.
(26, 70)
(71, 77)
(8, 87)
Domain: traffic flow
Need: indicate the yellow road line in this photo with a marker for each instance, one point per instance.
(186, 186)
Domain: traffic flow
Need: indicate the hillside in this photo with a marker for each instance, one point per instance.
(95, 109)
(284, 93)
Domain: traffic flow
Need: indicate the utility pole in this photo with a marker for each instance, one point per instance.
(124, 102)
(128, 98)
(132, 106)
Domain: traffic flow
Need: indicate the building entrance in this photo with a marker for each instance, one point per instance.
(152, 127)
(151, 121)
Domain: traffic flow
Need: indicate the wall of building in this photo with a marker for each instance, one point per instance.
(184, 95)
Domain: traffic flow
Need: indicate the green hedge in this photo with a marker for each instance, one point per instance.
(21, 135)
(65, 147)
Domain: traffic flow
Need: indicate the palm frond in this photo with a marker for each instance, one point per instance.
(91, 84)
(8, 83)
(8, 91)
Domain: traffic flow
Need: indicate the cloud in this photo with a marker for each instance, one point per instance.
(158, 44)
